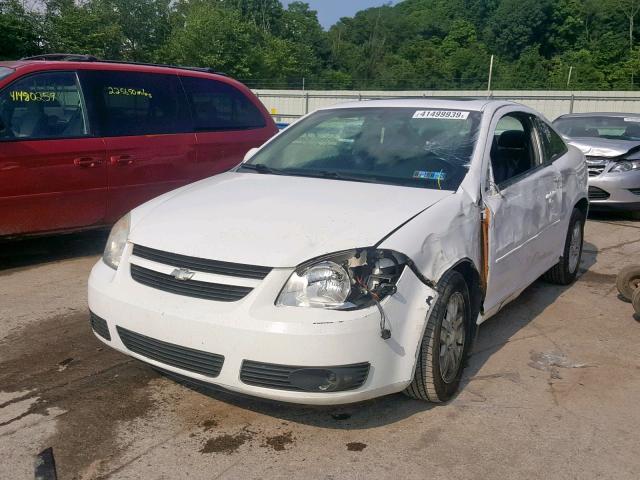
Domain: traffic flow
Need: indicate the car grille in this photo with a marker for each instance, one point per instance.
(196, 361)
(596, 193)
(99, 325)
(277, 376)
(596, 166)
(635, 191)
(189, 288)
(202, 264)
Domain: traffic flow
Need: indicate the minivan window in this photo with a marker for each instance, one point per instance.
(5, 72)
(44, 105)
(400, 146)
(219, 106)
(134, 103)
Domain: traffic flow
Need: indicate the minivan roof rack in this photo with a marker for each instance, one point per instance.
(166, 65)
(60, 57)
(74, 57)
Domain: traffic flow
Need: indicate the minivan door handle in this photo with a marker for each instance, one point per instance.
(121, 160)
(86, 162)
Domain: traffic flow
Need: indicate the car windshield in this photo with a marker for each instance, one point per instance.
(5, 71)
(613, 128)
(413, 147)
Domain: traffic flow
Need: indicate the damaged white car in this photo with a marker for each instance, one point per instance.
(351, 256)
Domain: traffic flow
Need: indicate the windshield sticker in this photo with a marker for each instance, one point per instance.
(130, 92)
(23, 96)
(632, 119)
(429, 175)
(444, 114)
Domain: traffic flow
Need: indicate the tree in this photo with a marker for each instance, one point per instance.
(630, 8)
(19, 31)
(207, 35)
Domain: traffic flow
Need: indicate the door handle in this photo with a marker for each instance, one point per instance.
(121, 160)
(86, 162)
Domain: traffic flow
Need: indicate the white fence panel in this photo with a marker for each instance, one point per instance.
(288, 105)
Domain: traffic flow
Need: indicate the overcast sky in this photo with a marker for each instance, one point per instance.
(330, 11)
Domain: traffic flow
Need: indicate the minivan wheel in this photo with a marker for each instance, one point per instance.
(566, 270)
(445, 343)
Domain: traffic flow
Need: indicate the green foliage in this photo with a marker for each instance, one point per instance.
(19, 31)
(415, 44)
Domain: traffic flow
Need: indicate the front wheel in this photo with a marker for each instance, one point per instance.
(444, 344)
(566, 270)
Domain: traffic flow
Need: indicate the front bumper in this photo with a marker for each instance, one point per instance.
(255, 330)
(622, 191)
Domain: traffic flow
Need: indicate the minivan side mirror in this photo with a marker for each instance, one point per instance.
(250, 154)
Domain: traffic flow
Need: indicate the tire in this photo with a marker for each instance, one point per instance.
(429, 383)
(627, 281)
(564, 272)
(635, 301)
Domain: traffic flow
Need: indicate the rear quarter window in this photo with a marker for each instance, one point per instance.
(552, 144)
(219, 106)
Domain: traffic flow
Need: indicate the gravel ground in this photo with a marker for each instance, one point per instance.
(551, 391)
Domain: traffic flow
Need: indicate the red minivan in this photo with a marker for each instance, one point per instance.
(82, 141)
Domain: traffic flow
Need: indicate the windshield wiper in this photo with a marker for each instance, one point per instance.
(331, 175)
(258, 167)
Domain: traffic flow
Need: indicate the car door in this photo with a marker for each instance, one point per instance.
(146, 127)
(53, 171)
(226, 122)
(522, 207)
(554, 152)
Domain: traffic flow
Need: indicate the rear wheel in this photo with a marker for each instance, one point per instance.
(566, 270)
(444, 344)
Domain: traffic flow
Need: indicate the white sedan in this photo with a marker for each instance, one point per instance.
(352, 256)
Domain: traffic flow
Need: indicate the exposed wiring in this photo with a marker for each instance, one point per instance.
(385, 332)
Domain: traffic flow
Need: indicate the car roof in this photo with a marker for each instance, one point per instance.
(37, 63)
(598, 114)
(471, 104)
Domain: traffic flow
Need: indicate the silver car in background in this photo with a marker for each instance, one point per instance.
(611, 145)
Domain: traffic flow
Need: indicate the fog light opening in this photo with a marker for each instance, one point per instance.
(325, 380)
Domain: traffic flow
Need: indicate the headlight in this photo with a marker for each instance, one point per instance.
(626, 166)
(343, 281)
(116, 242)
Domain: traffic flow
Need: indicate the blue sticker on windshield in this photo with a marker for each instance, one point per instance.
(429, 175)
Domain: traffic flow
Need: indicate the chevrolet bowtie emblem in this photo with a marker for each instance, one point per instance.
(182, 274)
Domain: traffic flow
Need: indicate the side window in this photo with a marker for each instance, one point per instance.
(218, 106)
(513, 151)
(41, 106)
(134, 103)
(553, 146)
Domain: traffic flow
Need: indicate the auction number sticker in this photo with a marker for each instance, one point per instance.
(444, 114)
(129, 92)
(24, 96)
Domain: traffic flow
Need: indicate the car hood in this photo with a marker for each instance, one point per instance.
(275, 220)
(603, 147)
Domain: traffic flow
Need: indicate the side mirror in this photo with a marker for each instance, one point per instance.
(250, 153)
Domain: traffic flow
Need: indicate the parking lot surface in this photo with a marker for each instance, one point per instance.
(552, 390)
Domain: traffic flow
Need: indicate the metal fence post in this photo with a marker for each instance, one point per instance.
(306, 102)
(573, 98)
